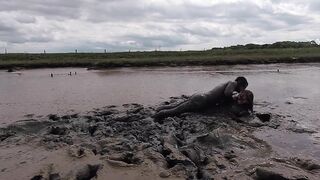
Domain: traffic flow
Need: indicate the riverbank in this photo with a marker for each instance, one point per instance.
(161, 58)
(125, 142)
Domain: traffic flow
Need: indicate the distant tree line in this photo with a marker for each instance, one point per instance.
(282, 44)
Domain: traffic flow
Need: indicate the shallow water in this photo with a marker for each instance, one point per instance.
(293, 91)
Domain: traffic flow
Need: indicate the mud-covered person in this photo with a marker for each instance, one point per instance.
(243, 103)
(220, 95)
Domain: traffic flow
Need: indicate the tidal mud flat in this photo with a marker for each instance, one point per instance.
(125, 142)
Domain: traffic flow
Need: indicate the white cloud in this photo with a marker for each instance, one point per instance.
(119, 25)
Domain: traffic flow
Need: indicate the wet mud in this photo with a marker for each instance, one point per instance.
(126, 142)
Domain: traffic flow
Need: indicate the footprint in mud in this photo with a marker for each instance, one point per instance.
(88, 172)
(53, 117)
(37, 177)
(54, 176)
(124, 160)
(30, 126)
(305, 164)
(29, 116)
(216, 138)
(264, 117)
(78, 152)
(195, 154)
(280, 172)
(6, 134)
(92, 129)
(58, 130)
(299, 97)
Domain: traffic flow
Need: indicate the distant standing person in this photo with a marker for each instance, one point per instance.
(219, 95)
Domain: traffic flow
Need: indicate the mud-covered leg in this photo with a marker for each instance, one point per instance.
(170, 106)
(165, 107)
(181, 108)
(195, 103)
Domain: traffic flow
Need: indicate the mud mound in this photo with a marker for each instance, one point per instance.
(191, 146)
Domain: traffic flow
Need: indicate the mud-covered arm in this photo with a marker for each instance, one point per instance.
(251, 108)
(231, 86)
(251, 104)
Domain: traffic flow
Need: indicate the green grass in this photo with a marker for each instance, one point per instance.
(161, 58)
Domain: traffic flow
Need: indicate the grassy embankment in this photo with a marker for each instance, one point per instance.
(162, 58)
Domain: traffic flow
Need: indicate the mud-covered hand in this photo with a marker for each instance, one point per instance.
(235, 95)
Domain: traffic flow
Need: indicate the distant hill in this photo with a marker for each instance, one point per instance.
(281, 44)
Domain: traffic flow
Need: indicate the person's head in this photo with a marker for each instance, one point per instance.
(244, 103)
(242, 83)
(245, 97)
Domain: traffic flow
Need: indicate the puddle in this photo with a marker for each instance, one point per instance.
(291, 144)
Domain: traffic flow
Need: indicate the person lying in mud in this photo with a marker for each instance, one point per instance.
(243, 103)
(220, 95)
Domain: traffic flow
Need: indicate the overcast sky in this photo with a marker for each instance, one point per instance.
(120, 25)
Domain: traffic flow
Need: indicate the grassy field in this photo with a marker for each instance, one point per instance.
(161, 58)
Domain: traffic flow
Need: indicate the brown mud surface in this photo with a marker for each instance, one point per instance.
(127, 143)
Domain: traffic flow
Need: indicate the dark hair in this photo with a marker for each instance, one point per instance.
(242, 81)
(245, 100)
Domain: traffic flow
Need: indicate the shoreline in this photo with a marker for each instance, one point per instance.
(160, 58)
(112, 65)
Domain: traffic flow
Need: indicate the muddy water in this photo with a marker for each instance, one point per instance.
(294, 90)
